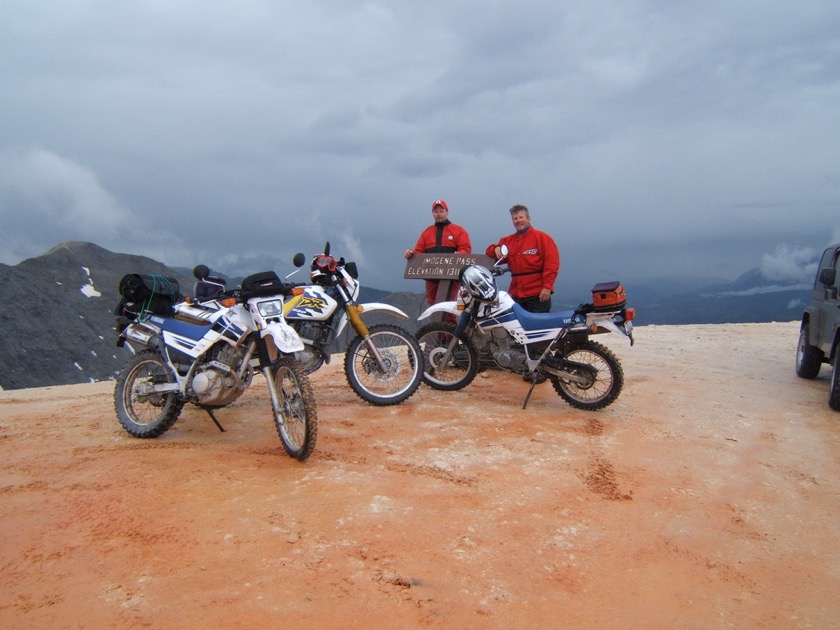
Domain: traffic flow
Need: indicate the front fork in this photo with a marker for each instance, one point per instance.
(362, 330)
(460, 332)
(265, 367)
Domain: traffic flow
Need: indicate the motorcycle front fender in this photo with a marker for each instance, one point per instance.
(379, 307)
(284, 337)
(450, 308)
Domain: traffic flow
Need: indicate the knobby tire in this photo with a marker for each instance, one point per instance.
(146, 415)
(608, 381)
(403, 366)
(460, 370)
(298, 429)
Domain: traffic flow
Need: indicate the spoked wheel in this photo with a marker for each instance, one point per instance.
(460, 368)
(142, 409)
(592, 378)
(402, 365)
(296, 417)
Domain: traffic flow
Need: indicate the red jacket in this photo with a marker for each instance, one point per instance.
(449, 239)
(533, 259)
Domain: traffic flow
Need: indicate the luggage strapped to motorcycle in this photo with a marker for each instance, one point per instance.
(608, 296)
(143, 294)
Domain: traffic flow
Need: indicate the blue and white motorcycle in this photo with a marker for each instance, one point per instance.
(205, 352)
(493, 331)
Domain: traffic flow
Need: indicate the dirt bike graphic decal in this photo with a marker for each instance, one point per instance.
(308, 304)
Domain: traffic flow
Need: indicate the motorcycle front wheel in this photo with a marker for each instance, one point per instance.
(595, 375)
(399, 376)
(461, 367)
(296, 418)
(141, 411)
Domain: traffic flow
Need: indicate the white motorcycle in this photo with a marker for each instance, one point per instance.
(382, 363)
(494, 331)
(205, 352)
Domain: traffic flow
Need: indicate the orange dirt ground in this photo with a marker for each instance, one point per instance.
(705, 497)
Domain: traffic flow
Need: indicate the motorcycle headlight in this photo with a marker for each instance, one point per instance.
(270, 308)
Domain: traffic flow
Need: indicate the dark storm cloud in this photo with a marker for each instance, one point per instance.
(644, 135)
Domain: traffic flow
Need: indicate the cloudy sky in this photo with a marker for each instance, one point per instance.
(661, 137)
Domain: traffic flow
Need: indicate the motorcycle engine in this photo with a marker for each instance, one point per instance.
(215, 381)
(311, 358)
(511, 359)
(312, 335)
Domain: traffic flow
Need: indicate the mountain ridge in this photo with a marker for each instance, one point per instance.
(56, 310)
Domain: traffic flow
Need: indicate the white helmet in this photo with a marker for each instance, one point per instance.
(480, 283)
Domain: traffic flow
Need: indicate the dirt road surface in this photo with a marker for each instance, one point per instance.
(705, 497)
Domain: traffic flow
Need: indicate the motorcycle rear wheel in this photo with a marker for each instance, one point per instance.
(595, 361)
(146, 415)
(462, 366)
(296, 419)
(403, 361)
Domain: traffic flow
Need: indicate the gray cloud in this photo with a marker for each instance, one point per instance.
(647, 137)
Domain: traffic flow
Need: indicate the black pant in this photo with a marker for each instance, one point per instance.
(533, 304)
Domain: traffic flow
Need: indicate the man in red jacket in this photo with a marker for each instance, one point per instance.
(442, 237)
(534, 262)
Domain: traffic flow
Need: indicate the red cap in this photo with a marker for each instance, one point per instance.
(440, 202)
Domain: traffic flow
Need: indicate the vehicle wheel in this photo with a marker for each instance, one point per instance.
(599, 370)
(808, 358)
(462, 366)
(834, 388)
(403, 365)
(296, 419)
(141, 411)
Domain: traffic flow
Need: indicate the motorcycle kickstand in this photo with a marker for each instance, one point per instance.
(530, 391)
(213, 418)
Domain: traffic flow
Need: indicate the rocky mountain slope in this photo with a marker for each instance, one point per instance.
(56, 310)
(57, 314)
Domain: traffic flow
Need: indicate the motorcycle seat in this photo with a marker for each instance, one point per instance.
(541, 321)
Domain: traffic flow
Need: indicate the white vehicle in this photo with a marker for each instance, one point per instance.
(494, 331)
(383, 363)
(205, 353)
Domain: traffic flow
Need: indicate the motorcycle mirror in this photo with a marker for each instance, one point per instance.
(299, 259)
(505, 251)
(201, 272)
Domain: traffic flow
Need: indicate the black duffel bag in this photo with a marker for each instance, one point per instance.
(147, 293)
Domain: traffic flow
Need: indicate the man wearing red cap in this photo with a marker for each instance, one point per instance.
(442, 237)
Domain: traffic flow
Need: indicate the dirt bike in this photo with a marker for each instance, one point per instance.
(382, 363)
(205, 351)
(494, 331)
